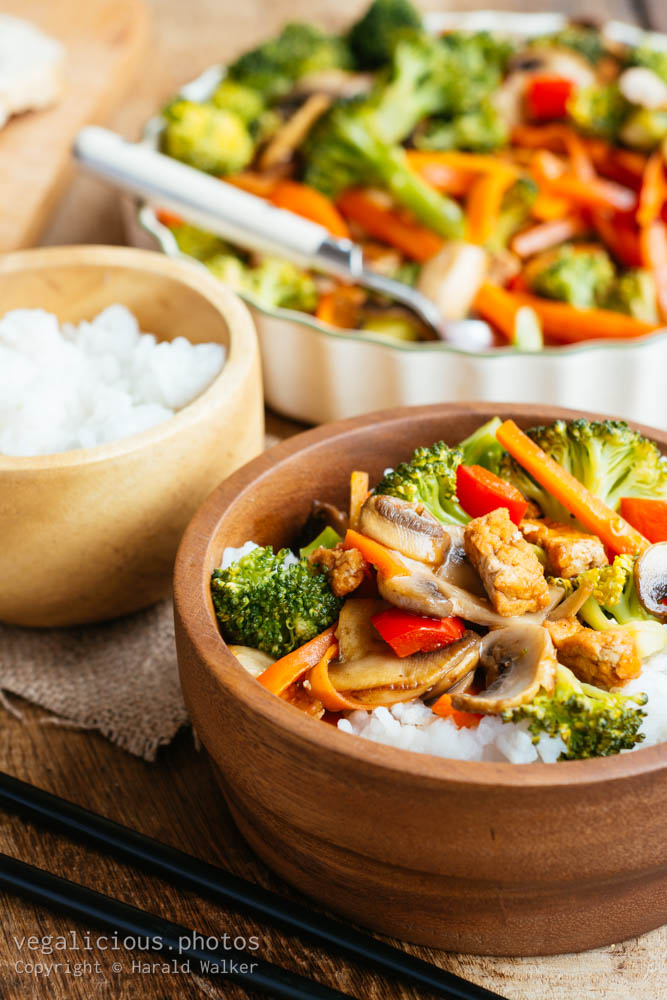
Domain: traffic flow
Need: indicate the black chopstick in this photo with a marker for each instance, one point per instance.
(168, 939)
(215, 883)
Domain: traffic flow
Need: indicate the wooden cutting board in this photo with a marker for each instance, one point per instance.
(105, 41)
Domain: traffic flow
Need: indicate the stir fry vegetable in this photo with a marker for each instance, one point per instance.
(494, 579)
(474, 165)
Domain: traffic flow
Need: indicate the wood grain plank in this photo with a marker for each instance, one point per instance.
(177, 801)
(652, 13)
(104, 40)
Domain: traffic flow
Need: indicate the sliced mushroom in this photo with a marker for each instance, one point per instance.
(427, 593)
(551, 60)
(463, 684)
(252, 660)
(452, 278)
(651, 580)
(335, 83)
(330, 515)
(642, 86)
(402, 526)
(457, 568)
(572, 604)
(290, 135)
(356, 634)
(519, 661)
(376, 676)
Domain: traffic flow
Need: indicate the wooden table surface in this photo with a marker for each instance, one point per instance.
(176, 799)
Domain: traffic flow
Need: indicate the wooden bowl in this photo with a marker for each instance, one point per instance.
(499, 859)
(91, 534)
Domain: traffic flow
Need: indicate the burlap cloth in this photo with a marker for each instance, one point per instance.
(120, 678)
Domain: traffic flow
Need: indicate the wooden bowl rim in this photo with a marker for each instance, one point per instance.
(198, 620)
(242, 343)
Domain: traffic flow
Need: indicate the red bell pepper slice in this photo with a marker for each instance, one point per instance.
(480, 491)
(407, 633)
(547, 96)
(648, 516)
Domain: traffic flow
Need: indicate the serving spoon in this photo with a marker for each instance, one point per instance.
(253, 223)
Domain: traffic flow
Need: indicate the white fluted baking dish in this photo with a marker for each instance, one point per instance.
(315, 373)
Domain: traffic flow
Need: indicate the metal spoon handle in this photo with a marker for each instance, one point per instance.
(207, 202)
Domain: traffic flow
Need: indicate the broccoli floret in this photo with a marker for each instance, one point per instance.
(430, 475)
(582, 278)
(356, 143)
(650, 58)
(599, 111)
(590, 722)
(482, 447)
(229, 269)
(209, 138)
(373, 37)
(515, 211)
(273, 283)
(610, 459)
(346, 151)
(279, 283)
(588, 42)
(197, 243)
(480, 130)
(262, 602)
(614, 595)
(613, 591)
(645, 128)
(634, 293)
(273, 67)
(246, 102)
(474, 64)
(428, 478)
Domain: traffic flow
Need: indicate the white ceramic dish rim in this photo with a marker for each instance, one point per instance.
(509, 22)
(229, 305)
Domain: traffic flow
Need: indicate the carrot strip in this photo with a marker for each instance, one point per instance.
(358, 495)
(168, 219)
(463, 720)
(652, 191)
(261, 185)
(322, 688)
(378, 555)
(414, 240)
(285, 671)
(567, 324)
(499, 307)
(470, 162)
(623, 165)
(592, 192)
(653, 242)
(341, 307)
(547, 207)
(597, 193)
(311, 204)
(547, 234)
(440, 175)
(484, 201)
(610, 527)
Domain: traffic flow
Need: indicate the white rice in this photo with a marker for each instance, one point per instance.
(79, 386)
(232, 555)
(413, 726)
